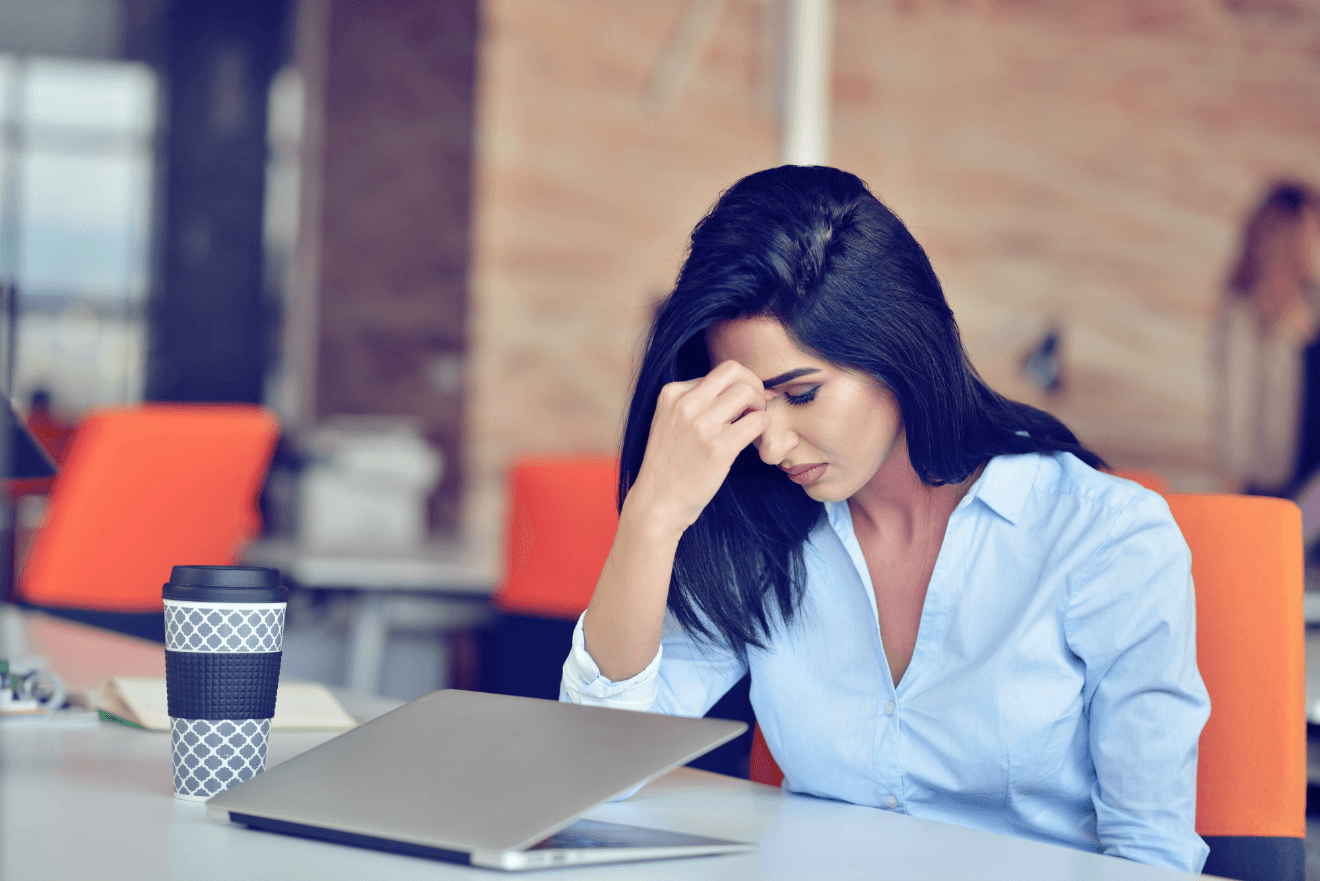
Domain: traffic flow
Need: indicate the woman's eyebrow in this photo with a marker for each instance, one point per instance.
(790, 375)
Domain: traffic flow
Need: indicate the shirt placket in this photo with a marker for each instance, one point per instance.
(890, 745)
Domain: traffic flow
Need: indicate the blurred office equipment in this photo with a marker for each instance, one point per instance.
(44, 424)
(54, 435)
(1251, 776)
(23, 463)
(438, 587)
(20, 454)
(1043, 362)
(365, 485)
(362, 546)
(144, 488)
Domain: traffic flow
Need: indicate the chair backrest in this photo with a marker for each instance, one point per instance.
(1247, 568)
(141, 490)
(1149, 479)
(1250, 646)
(561, 521)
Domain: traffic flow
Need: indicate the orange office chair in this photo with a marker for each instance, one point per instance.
(559, 528)
(561, 521)
(1149, 479)
(1250, 645)
(143, 489)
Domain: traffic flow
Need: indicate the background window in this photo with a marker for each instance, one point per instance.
(76, 181)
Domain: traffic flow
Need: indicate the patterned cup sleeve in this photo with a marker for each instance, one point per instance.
(198, 627)
(212, 755)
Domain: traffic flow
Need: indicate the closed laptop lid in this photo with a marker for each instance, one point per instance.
(465, 770)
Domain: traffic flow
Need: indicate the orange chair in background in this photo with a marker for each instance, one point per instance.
(1149, 479)
(141, 490)
(763, 767)
(1250, 644)
(561, 521)
(560, 525)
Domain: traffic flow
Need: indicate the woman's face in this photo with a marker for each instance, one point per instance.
(830, 429)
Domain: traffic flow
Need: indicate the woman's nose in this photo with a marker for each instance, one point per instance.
(778, 440)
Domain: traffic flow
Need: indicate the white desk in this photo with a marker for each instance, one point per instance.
(96, 802)
(441, 587)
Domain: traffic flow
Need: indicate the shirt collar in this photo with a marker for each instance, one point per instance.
(1005, 484)
(1003, 487)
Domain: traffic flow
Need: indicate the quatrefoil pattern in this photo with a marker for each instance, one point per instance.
(223, 628)
(210, 756)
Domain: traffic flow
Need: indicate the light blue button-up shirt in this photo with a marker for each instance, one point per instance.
(1052, 694)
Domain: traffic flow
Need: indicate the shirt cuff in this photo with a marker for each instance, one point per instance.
(583, 684)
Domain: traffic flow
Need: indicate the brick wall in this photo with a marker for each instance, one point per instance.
(395, 182)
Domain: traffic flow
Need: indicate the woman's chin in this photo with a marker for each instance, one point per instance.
(826, 491)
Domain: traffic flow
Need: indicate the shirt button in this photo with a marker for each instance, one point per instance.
(891, 802)
(889, 710)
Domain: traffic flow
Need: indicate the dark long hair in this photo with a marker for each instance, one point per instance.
(812, 248)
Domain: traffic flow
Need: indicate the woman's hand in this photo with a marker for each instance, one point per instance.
(700, 426)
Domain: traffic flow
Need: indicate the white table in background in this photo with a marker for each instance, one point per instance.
(441, 587)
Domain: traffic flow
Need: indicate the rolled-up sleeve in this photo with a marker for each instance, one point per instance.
(1131, 619)
(685, 678)
(582, 682)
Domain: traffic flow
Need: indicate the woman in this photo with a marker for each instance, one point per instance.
(945, 609)
(1264, 371)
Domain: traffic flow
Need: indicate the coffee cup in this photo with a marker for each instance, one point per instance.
(224, 636)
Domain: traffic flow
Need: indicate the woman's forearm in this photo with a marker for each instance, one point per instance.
(623, 623)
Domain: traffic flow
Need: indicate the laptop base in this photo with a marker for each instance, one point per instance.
(581, 843)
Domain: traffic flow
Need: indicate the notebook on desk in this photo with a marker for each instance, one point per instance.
(486, 779)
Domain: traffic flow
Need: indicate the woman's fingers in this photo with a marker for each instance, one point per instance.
(711, 405)
(699, 428)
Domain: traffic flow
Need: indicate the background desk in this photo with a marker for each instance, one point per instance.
(96, 802)
(441, 587)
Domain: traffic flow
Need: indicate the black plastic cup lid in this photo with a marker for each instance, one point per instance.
(225, 584)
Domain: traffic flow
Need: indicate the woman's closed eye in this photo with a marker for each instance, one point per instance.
(805, 398)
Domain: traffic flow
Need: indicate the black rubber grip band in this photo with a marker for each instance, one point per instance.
(221, 685)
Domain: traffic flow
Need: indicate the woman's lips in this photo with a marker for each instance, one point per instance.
(807, 474)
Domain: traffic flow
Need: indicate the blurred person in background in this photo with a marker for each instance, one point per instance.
(1266, 366)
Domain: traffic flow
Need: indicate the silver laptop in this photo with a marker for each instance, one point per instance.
(486, 779)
